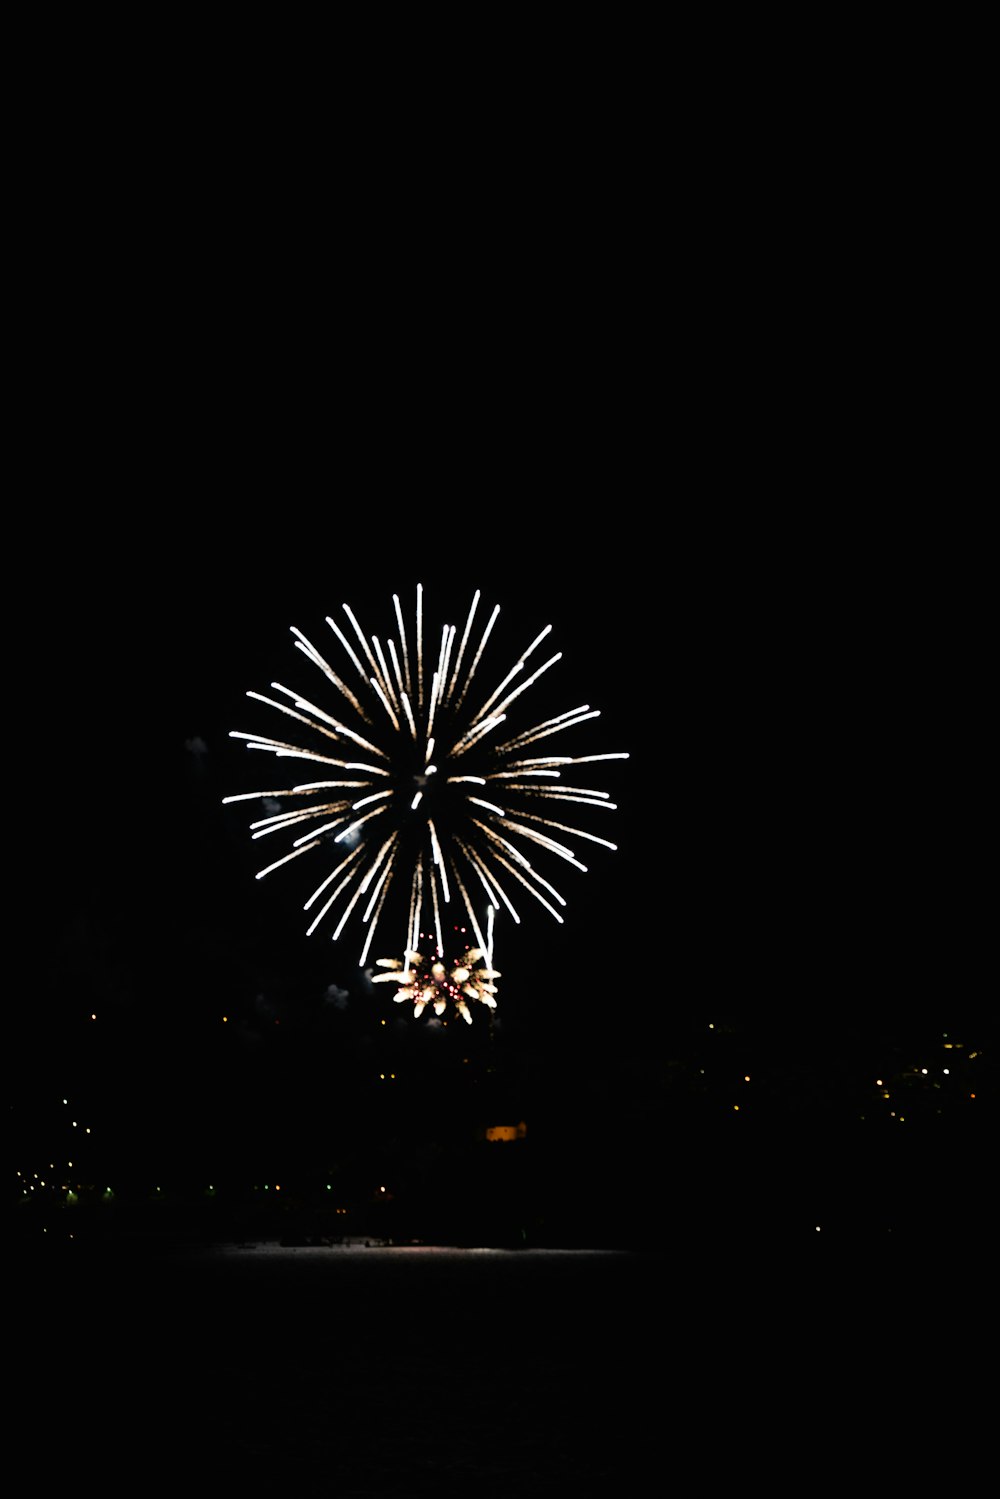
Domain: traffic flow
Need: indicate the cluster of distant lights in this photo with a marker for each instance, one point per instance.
(910, 1073)
(886, 1096)
(54, 1185)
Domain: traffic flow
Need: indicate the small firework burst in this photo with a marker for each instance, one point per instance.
(430, 981)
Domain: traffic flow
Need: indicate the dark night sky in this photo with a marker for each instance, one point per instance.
(773, 877)
(793, 664)
(683, 372)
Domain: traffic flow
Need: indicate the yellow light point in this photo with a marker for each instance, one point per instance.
(747, 1078)
(736, 1107)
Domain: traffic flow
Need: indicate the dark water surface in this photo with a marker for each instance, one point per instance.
(413, 1371)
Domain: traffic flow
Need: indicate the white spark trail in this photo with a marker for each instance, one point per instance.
(308, 786)
(433, 702)
(359, 822)
(530, 888)
(288, 857)
(475, 734)
(439, 861)
(310, 651)
(283, 820)
(385, 677)
(561, 827)
(347, 646)
(374, 921)
(461, 649)
(345, 862)
(437, 918)
(475, 663)
(364, 643)
(542, 731)
(254, 796)
(420, 646)
(409, 715)
(326, 828)
(345, 881)
(481, 871)
(545, 842)
(557, 794)
(395, 666)
(342, 729)
(518, 665)
(502, 709)
(472, 915)
(566, 760)
(402, 642)
(498, 888)
(385, 703)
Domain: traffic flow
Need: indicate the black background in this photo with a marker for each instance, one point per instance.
(680, 355)
(685, 432)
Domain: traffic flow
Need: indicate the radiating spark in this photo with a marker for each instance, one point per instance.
(461, 649)
(482, 645)
(426, 756)
(310, 650)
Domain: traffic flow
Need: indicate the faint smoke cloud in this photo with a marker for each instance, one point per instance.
(337, 997)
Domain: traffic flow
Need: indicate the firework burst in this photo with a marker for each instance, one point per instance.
(430, 981)
(430, 797)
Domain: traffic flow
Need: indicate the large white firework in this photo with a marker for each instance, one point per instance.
(427, 791)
